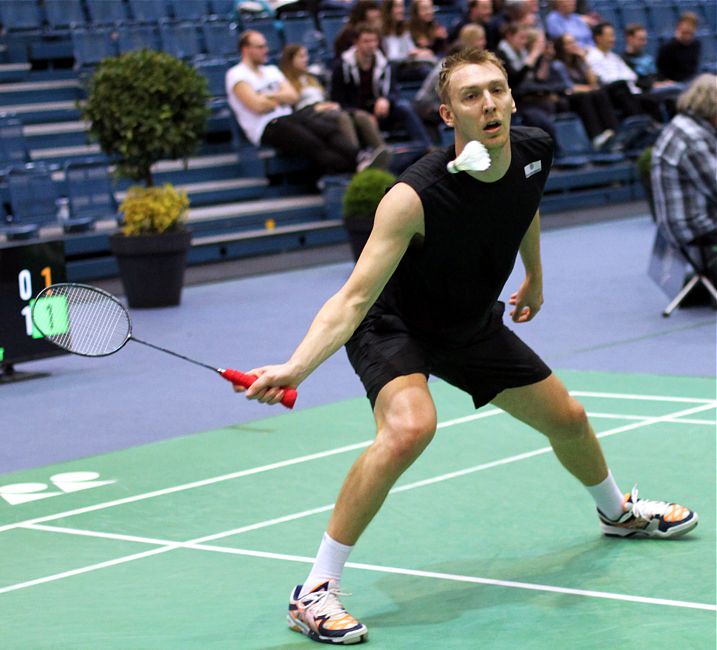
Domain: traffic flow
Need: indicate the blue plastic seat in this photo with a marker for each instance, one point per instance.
(89, 193)
(33, 200)
(214, 71)
(223, 8)
(134, 36)
(635, 12)
(330, 24)
(148, 11)
(189, 9)
(20, 15)
(64, 13)
(179, 39)
(664, 17)
(13, 147)
(102, 12)
(220, 37)
(574, 148)
(90, 46)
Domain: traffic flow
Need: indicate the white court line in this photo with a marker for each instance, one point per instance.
(619, 416)
(647, 398)
(197, 545)
(228, 477)
(306, 513)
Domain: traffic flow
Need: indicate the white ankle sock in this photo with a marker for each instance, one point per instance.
(608, 498)
(329, 563)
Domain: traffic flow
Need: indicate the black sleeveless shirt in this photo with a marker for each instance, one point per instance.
(448, 282)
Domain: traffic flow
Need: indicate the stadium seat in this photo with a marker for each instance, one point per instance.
(635, 12)
(189, 9)
(90, 46)
(180, 39)
(214, 71)
(137, 37)
(33, 199)
(13, 148)
(299, 28)
(90, 195)
(220, 37)
(330, 24)
(61, 14)
(664, 18)
(20, 15)
(223, 8)
(102, 12)
(148, 11)
(574, 148)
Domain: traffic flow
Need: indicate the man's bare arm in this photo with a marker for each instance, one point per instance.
(528, 299)
(398, 218)
(253, 100)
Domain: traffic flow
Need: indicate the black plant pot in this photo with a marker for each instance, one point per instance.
(152, 267)
(358, 231)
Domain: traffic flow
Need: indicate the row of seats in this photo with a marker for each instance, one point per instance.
(22, 15)
(33, 199)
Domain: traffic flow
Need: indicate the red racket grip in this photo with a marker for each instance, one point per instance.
(242, 379)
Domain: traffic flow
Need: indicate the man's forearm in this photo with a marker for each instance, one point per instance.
(530, 250)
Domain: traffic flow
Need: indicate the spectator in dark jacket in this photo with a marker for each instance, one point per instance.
(679, 58)
(362, 79)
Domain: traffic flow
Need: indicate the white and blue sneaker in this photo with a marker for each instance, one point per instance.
(645, 518)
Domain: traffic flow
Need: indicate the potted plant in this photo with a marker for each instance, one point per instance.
(363, 194)
(145, 106)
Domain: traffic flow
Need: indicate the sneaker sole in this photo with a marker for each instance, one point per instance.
(350, 639)
(671, 533)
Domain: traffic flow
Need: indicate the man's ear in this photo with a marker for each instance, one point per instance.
(446, 114)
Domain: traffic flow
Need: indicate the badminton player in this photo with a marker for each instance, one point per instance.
(422, 300)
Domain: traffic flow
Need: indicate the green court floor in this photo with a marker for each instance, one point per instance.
(484, 543)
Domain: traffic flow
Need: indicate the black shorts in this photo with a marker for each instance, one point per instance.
(382, 348)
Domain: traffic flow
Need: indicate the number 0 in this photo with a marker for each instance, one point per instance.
(24, 283)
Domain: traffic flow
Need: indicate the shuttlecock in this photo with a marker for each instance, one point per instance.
(473, 158)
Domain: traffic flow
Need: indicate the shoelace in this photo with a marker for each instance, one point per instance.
(326, 603)
(646, 508)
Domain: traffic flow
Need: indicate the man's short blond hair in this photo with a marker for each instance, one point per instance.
(463, 57)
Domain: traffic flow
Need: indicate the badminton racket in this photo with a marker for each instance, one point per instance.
(90, 322)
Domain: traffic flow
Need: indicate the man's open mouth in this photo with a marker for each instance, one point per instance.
(493, 125)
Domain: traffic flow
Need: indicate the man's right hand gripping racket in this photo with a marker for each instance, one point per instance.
(90, 322)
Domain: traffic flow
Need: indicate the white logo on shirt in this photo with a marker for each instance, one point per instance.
(532, 168)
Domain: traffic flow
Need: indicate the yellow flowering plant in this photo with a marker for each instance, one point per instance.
(153, 210)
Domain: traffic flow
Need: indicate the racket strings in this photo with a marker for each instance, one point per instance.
(95, 323)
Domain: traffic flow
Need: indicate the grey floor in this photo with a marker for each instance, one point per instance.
(602, 313)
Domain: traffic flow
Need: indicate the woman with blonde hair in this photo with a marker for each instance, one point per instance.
(359, 127)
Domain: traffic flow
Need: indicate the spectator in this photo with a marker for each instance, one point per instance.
(513, 11)
(262, 101)
(479, 12)
(563, 19)
(426, 31)
(679, 58)
(427, 101)
(359, 127)
(585, 97)
(684, 160)
(521, 62)
(364, 11)
(362, 79)
(411, 62)
(617, 77)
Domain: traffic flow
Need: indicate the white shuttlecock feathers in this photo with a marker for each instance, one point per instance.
(473, 158)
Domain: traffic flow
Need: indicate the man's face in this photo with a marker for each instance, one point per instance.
(606, 40)
(482, 11)
(637, 42)
(685, 33)
(256, 50)
(367, 45)
(480, 105)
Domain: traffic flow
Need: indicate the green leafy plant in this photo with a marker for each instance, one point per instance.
(151, 210)
(144, 106)
(364, 193)
(643, 163)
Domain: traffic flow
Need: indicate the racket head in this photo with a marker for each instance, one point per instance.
(81, 319)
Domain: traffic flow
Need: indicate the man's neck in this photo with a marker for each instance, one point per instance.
(500, 160)
(255, 67)
(365, 62)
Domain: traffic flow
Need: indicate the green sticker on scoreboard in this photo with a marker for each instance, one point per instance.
(50, 316)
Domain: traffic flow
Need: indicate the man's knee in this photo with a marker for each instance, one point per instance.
(571, 423)
(404, 437)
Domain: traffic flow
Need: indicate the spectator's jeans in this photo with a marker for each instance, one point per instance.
(317, 137)
(402, 111)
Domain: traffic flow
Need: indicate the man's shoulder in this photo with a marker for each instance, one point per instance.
(530, 137)
(428, 170)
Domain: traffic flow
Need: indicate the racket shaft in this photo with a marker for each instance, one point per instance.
(242, 379)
